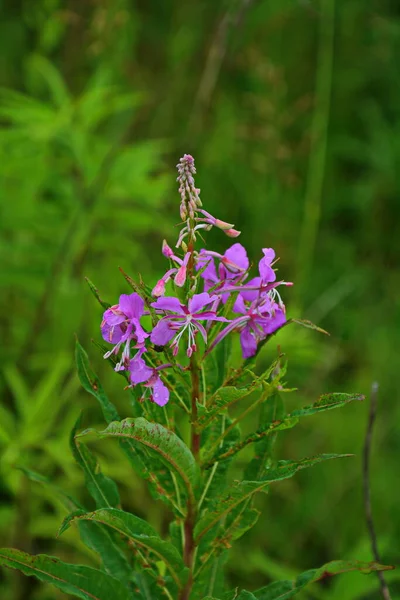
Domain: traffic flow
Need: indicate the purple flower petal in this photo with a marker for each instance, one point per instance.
(113, 316)
(232, 325)
(250, 295)
(111, 334)
(266, 271)
(237, 255)
(203, 332)
(208, 316)
(140, 333)
(274, 323)
(210, 272)
(162, 333)
(248, 343)
(139, 371)
(160, 393)
(239, 306)
(169, 303)
(199, 301)
(132, 305)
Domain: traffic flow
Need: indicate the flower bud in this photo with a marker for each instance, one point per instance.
(159, 288)
(180, 277)
(233, 233)
(166, 250)
(223, 225)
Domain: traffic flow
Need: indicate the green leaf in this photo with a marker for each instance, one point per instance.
(68, 501)
(272, 410)
(161, 485)
(308, 324)
(91, 383)
(215, 365)
(96, 294)
(243, 490)
(215, 481)
(102, 489)
(162, 444)
(220, 401)
(326, 402)
(108, 547)
(139, 532)
(283, 590)
(94, 536)
(81, 581)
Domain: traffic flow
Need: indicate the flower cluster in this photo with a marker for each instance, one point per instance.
(203, 281)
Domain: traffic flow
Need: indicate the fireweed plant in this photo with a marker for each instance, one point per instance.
(172, 344)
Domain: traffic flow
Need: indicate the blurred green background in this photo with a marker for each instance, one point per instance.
(292, 111)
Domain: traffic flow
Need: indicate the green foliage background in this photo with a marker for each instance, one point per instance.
(292, 111)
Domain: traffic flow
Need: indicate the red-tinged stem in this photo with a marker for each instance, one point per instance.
(190, 546)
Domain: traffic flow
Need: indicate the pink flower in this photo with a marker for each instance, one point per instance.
(180, 319)
(149, 377)
(121, 325)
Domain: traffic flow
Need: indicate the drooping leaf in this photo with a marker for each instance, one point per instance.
(243, 490)
(80, 581)
(162, 444)
(103, 490)
(93, 535)
(138, 532)
(283, 590)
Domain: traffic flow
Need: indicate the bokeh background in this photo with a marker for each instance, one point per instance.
(292, 111)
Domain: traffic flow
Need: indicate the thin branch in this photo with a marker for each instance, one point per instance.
(367, 490)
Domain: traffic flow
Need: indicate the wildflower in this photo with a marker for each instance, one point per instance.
(232, 269)
(150, 378)
(261, 318)
(180, 319)
(266, 277)
(179, 271)
(121, 325)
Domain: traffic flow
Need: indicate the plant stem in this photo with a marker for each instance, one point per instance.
(196, 397)
(189, 545)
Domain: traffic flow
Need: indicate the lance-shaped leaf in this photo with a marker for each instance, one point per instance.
(161, 443)
(91, 383)
(222, 400)
(80, 581)
(102, 489)
(68, 501)
(233, 527)
(96, 294)
(326, 402)
(139, 532)
(94, 536)
(283, 590)
(161, 485)
(225, 396)
(243, 490)
(272, 410)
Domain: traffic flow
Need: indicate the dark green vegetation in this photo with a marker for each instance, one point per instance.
(291, 109)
